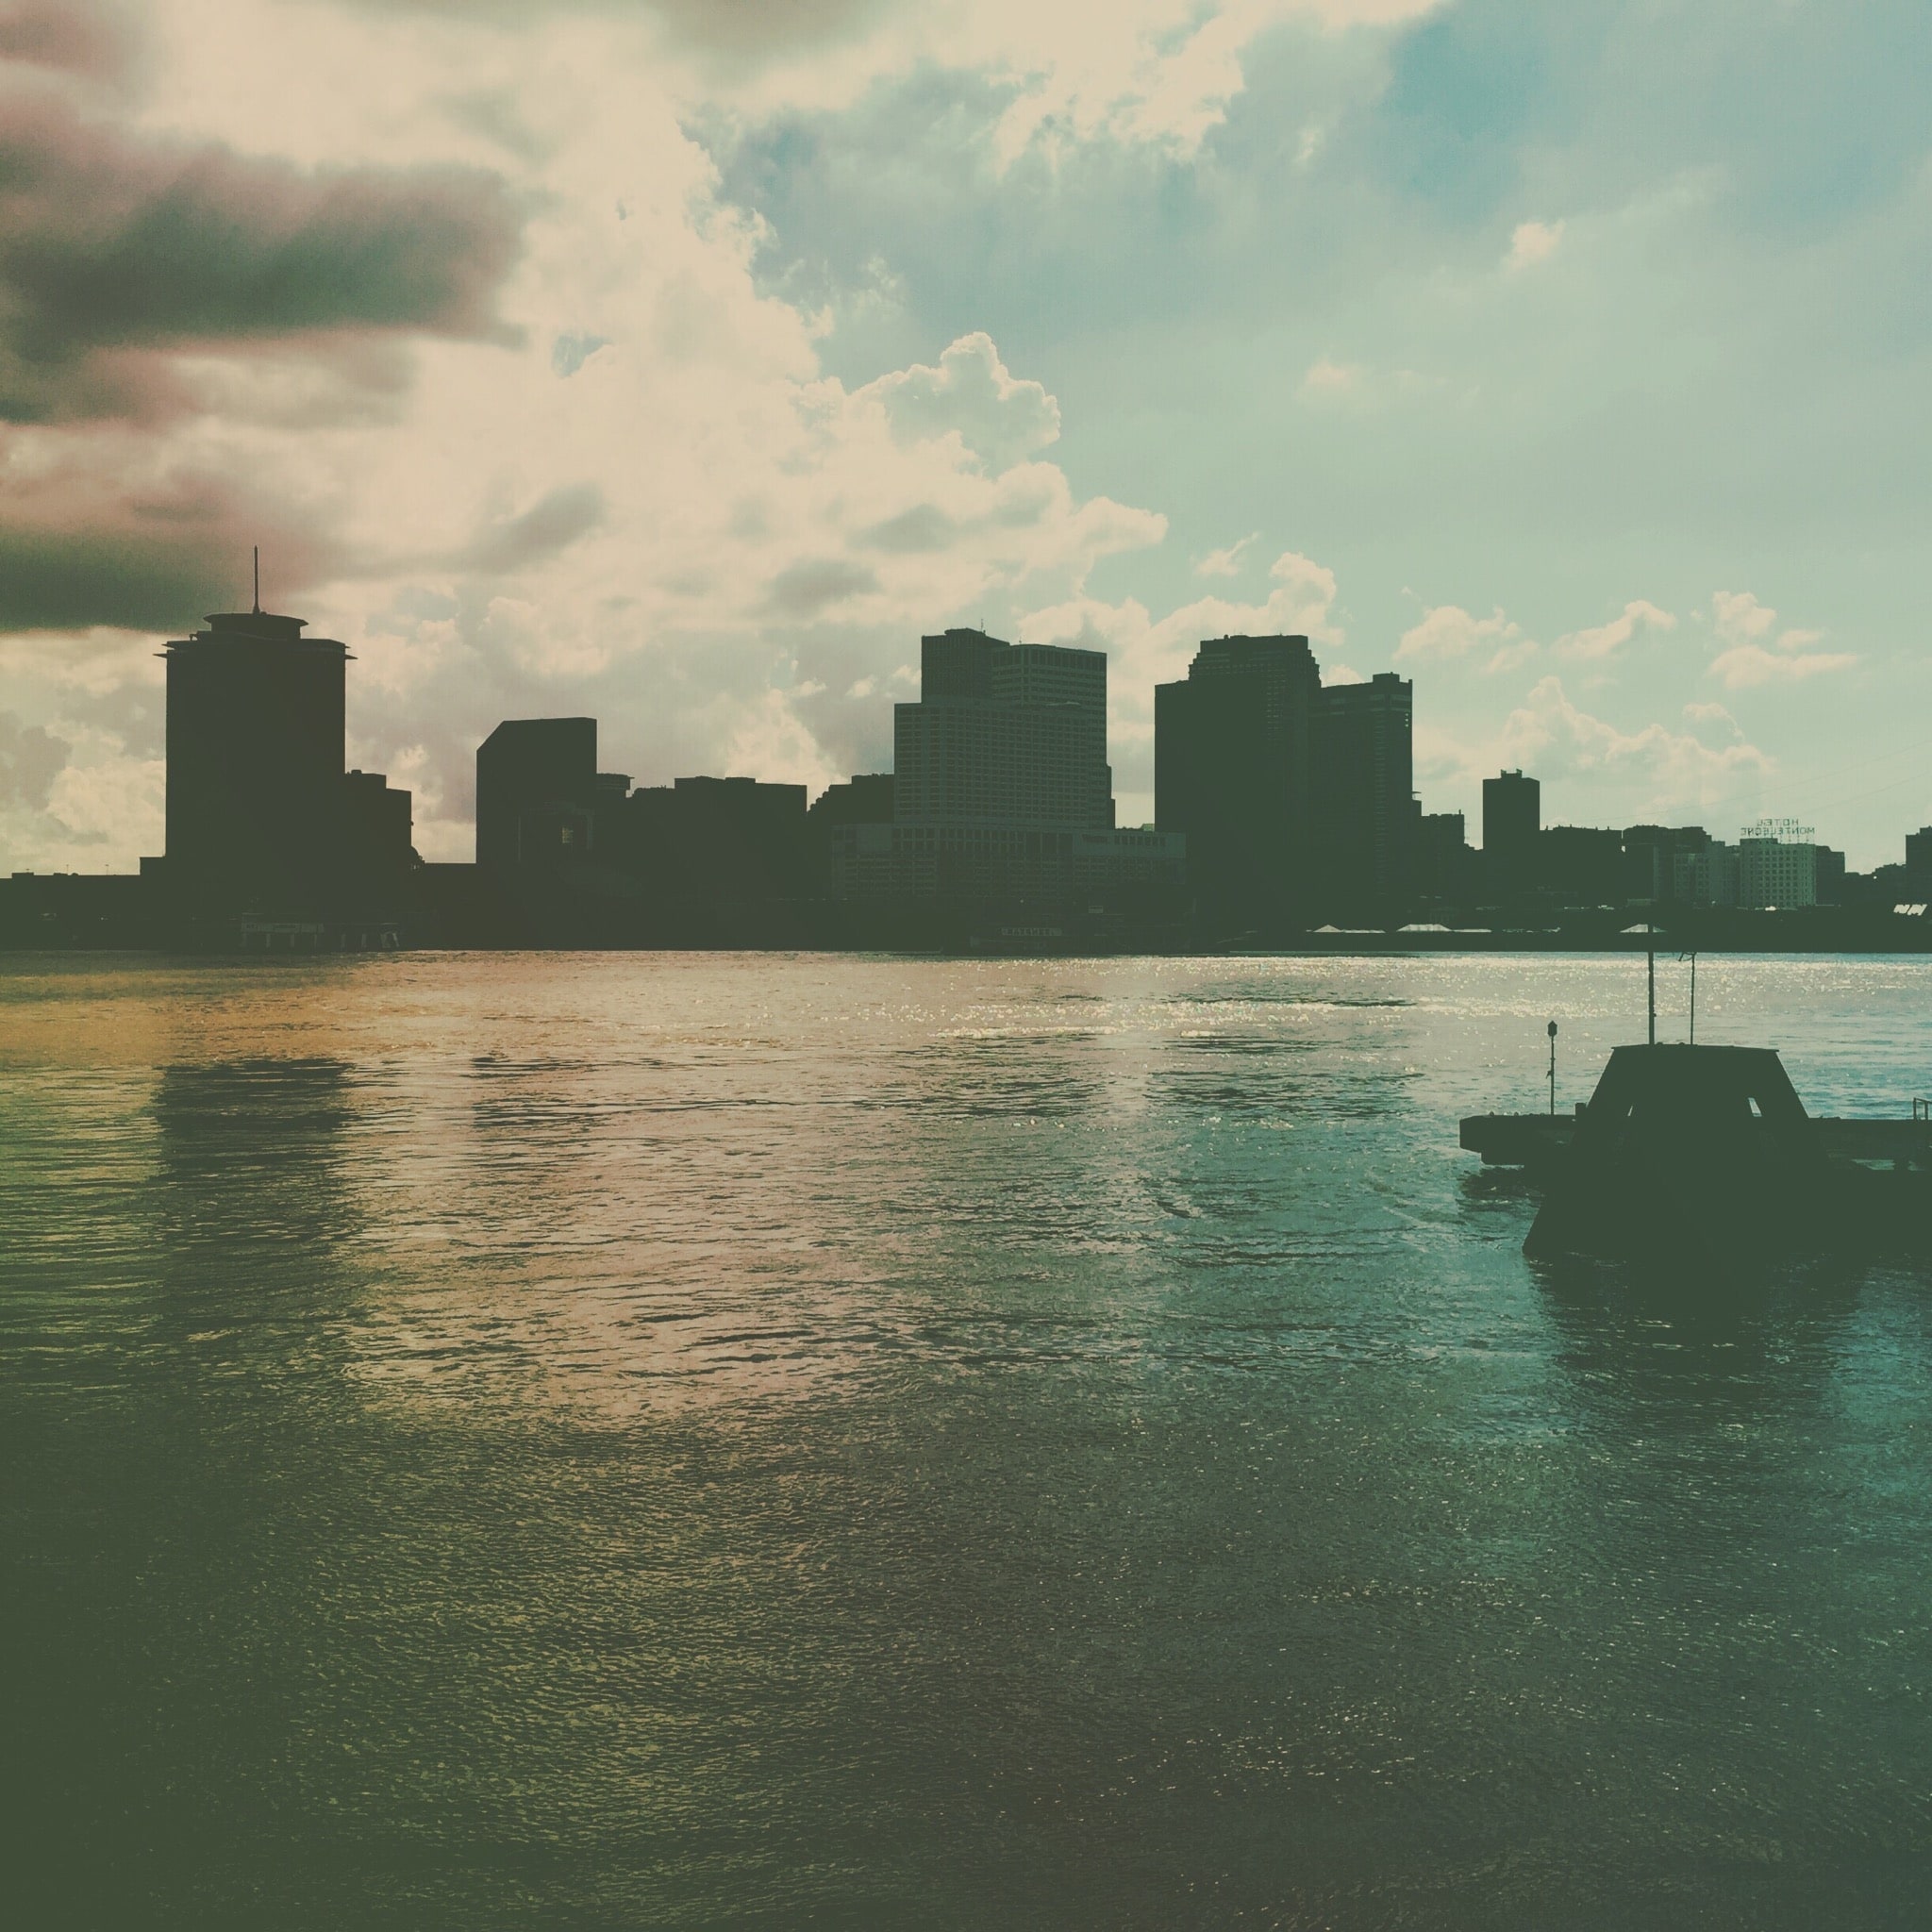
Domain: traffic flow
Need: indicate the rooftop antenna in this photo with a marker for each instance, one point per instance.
(257, 580)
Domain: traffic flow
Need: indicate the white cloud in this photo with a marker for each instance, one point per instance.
(1146, 651)
(972, 395)
(1155, 71)
(1699, 713)
(1745, 666)
(691, 531)
(1447, 633)
(1594, 771)
(1327, 380)
(1739, 617)
(100, 803)
(1608, 638)
(1533, 243)
(1225, 563)
(1757, 653)
(1553, 735)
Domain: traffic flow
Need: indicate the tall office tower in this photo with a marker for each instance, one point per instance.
(536, 791)
(1365, 812)
(1233, 771)
(255, 768)
(1513, 818)
(1001, 792)
(1012, 733)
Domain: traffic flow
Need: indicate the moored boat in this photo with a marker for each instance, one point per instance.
(1707, 1155)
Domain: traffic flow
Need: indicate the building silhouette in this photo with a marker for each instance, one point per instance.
(377, 834)
(536, 793)
(1280, 803)
(1001, 797)
(1234, 774)
(1512, 817)
(1009, 734)
(701, 840)
(1446, 870)
(864, 799)
(564, 840)
(1367, 819)
(1579, 865)
(1661, 863)
(1297, 798)
(262, 821)
(1777, 866)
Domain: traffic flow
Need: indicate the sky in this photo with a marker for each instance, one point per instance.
(681, 362)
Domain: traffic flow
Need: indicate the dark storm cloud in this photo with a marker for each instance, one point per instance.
(913, 532)
(739, 34)
(154, 563)
(752, 31)
(84, 36)
(549, 526)
(806, 589)
(108, 244)
(31, 757)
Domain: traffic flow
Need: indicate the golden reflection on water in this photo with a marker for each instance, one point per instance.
(775, 1436)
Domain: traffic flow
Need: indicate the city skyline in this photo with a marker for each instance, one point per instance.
(1364, 820)
(598, 365)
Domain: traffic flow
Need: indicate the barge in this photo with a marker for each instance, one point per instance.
(1705, 1155)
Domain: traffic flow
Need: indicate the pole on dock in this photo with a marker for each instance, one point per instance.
(1553, 1070)
(1653, 987)
(1693, 999)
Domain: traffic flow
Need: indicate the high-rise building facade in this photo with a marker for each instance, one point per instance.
(1234, 774)
(1004, 732)
(261, 819)
(1297, 798)
(1365, 812)
(1001, 790)
(1512, 817)
(1777, 866)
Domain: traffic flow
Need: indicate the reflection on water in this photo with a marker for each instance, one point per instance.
(684, 1441)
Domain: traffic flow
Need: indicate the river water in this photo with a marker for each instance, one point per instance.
(683, 1441)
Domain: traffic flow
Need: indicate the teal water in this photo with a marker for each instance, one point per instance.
(674, 1441)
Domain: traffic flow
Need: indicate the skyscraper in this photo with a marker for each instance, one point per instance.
(1234, 772)
(1365, 812)
(1001, 791)
(1004, 732)
(254, 767)
(1513, 818)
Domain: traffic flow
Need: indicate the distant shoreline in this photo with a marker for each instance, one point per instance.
(1352, 946)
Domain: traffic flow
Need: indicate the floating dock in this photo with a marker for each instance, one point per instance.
(1705, 1153)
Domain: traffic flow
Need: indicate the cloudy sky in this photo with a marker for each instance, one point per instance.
(682, 361)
